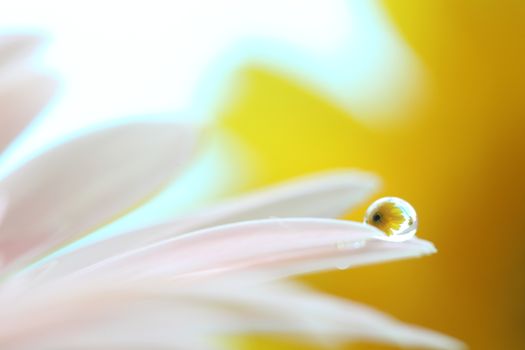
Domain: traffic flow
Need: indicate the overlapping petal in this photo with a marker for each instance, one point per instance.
(86, 182)
(324, 195)
(280, 247)
(158, 314)
(135, 291)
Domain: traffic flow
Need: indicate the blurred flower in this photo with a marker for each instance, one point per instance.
(178, 284)
(209, 267)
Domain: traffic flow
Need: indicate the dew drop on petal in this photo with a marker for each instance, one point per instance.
(358, 244)
(394, 216)
(341, 245)
(343, 266)
(348, 246)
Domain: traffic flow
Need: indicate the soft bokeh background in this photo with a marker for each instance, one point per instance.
(429, 95)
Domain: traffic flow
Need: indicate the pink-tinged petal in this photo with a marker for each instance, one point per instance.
(162, 314)
(351, 255)
(326, 194)
(94, 314)
(22, 97)
(86, 182)
(3, 208)
(348, 255)
(15, 48)
(334, 320)
(280, 247)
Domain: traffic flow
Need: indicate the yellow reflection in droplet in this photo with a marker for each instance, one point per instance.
(394, 216)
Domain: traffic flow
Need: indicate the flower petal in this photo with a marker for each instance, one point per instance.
(84, 183)
(348, 255)
(279, 247)
(22, 96)
(23, 92)
(161, 314)
(326, 194)
(14, 48)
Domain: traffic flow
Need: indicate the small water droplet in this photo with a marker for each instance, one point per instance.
(358, 244)
(350, 245)
(394, 216)
(341, 245)
(342, 266)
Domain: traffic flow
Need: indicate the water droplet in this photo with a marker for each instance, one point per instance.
(394, 216)
(341, 245)
(350, 245)
(343, 266)
(358, 244)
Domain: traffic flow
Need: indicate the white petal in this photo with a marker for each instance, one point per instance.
(84, 183)
(326, 194)
(349, 255)
(22, 95)
(3, 208)
(23, 92)
(14, 48)
(159, 314)
(279, 247)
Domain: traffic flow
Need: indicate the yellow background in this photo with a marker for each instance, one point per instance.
(458, 158)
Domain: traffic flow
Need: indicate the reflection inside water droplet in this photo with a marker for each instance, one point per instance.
(394, 216)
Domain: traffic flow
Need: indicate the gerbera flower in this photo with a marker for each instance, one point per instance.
(181, 283)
